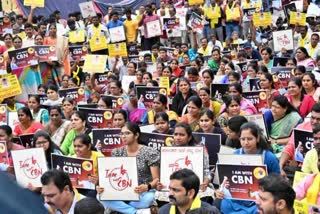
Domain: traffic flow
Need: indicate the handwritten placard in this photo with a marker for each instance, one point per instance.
(87, 9)
(117, 34)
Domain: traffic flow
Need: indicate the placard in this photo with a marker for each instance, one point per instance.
(288, 8)
(26, 140)
(303, 142)
(243, 180)
(258, 98)
(117, 101)
(117, 34)
(4, 158)
(101, 78)
(117, 49)
(77, 94)
(254, 84)
(119, 176)
(240, 159)
(218, 90)
(298, 177)
(34, 3)
(156, 140)
(108, 138)
(248, 12)
(95, 63)
(23, 57)
(43, 97)
(46, 53)
(78, 52)
(87, 9)
(259, 120)
(302, 207)
(297, 18)
(282, 39)
(3, 69)
(126, 80)
(212, 142)
(98, 118)
(147, 94)
(171, 23)
(3, 114)
(29, 165)
(78, 169)
(176, 158)
(153, 29)
(9, 86)
(195, 2)
(163, 82)
(197, 85)
(262, 19)
(281, 76)
(195, 23)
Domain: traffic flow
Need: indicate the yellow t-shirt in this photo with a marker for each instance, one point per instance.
(131, 27)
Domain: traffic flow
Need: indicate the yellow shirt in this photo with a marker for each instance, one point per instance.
(131, 27)
(94, 158)
(310, 163)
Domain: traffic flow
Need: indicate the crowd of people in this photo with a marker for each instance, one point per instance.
(225, 47)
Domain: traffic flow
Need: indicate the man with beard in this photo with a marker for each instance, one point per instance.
(183, 190)
(275, 196)
(58, 193)
(311, 163)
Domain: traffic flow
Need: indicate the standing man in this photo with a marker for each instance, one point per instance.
(58, 193)
(275, 196)
(131, 27)
(313, 47)
(184, 187)
(29, 40)
(149, 40)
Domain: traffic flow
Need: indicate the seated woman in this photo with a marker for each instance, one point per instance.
(280, 121)
(148, 161)
(134, 108)
(53, 96)
(232, 109)
(162, 124)
(83, 149)
(303, 58)
(119, 118)
(251, 143)
(207, 125)
(207, 102)
(160, 104)
(79, 126)
(26, 123)
(68, 106)
(193, 107)
(302, 102)
(267, 84)
(39, 114)
(234, 125)
(311, 86)
(57, 127)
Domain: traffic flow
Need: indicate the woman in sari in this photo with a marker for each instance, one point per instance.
(280, 121)
(134, 107)
(194, 105)
(26, 123)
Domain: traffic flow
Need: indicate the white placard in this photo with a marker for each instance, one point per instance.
(117, 34)
(119, 177)
(176, 158)
(313, 10)
(153, 29)
(259, 120)
(147, 128)
(282, 39)
(226, 150)
(29, 165)
(87, 9)
(126, 80)
(242, 159)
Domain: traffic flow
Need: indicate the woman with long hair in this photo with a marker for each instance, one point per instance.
(303, 58)
(310, 86)
(194, 105)
(26, 123)
(267, 84)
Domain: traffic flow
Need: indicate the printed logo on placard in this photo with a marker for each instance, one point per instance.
(259, 172)
(119, 178)
(31, 168)
(181, 163)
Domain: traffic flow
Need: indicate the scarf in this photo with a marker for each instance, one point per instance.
(303, 40)
(313, 191)
(195, 205)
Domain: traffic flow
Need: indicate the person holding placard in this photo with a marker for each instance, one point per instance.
(39, 114)
(97, 36)
(193, 107)
(131, 27)
(207, 102)
(53, 96)
(267, 84)
(120, 117)
(148, 161)
(313, 47)
(114, 22)
(251, 143)
(68, 106)
(161, 124)
(134, 108)
(233, 17)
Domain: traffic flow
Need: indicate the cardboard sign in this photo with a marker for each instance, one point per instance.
(126, 80)
(281, 76)
(87, 9)
(4, 158)
(3, 114)
(118, 49)
(262, 19)
(148, 94)
(101, 78)
(259, 120)
(298, 177)
(240, 159)
(77, 94)
(171, 23)
(35, 3)
(254, 84)
(153, 29)
(117, 101)
(78, 169)
(195, 2)
(117, 34)
(243, 180)
(196, 22)
(156, 140)
(258, 98)
(108, 138)
(78, 52)
(218, 90)
(43, 97)
(29, 165)
(3, 69)
(298, 18)
(118, 175)
(26, 140)
(248, 12)
(303, 141)
(176, 158)
(212, 142)
(98, 118)
(95, 63)
(23, 57)
(9, 86)
(282, 39)
(46, 53)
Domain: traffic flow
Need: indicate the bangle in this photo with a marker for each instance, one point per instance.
(149, 186)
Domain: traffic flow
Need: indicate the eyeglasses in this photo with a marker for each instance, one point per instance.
(125, 134)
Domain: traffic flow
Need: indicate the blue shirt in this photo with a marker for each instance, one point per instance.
(113, 24)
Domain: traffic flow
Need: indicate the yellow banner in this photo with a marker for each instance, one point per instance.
(164, 82)
(95, 63)
(36, 3)
(298, 18)
(262, 19)
(195, 2)
(117, 49)
(9, 86)
(98, 43)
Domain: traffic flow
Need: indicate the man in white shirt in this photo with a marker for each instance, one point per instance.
(29, 40)
(58, 193)
(313, 47)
